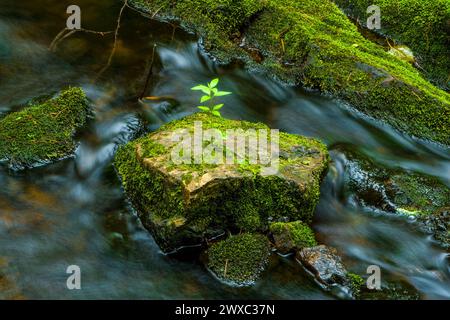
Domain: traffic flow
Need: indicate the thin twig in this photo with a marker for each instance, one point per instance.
(102, 33)
(158, 98)
(71, 32)
(116, 35)
(58, 36)
(225, 269)
(65, 33)
(174, 28)
(150, 73)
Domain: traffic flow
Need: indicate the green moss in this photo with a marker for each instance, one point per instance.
(149, 189)
(297, 233)
(314, 44)
(337, 59)
(420, 24)
(152, 148)
(417, 194)
(239, 259)
(356, 283)
(43, 132)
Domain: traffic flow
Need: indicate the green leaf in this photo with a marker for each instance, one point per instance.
(222, 93)
(202, 88)
(203, 108)
(214, 83)
(214, 91)
(205, 98)
(216, 113)
(218, 106)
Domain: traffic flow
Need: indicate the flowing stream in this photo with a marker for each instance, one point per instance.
(75, 213)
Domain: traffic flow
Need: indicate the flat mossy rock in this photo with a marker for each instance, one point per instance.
(289, 236)
(182, 204)
(44, 132)
(313, 43)
(240, 259)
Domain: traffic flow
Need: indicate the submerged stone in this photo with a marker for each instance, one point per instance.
(185, 203)
(9, 289)
(43, 132)
(239, 259)
(398, 290)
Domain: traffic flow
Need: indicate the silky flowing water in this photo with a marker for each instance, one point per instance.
(75, 213)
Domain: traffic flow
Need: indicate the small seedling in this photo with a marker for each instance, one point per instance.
(211, 92)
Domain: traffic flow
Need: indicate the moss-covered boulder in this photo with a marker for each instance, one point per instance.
(43, 132)
(422, 197)
(240, 259)
(420, 24)
(289, 236)
(184, 203)
(313, 43)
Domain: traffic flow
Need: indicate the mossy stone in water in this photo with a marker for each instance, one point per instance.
(182, 204)
(405, 192)
(289, 236)
(44, 132)
(239, 259)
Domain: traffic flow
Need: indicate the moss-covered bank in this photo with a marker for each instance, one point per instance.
(44, 132)
(182, 204)
(423, 25)
(314, 44)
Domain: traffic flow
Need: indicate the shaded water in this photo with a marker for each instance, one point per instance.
(74, 212)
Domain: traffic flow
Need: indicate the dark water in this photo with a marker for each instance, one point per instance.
(74, 212)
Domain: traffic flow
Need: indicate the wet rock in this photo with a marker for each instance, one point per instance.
(240, 259)
(422, 197)
(325, 264)
(438, 224)
(290, 236)
(184, 203)
(43, 133)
